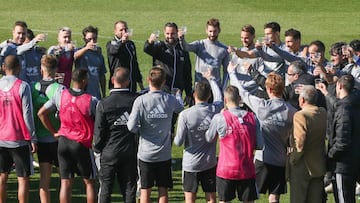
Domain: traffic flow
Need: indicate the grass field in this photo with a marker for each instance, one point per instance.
(329, 21)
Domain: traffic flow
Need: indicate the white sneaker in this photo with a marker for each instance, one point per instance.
(329, 188)
(36, 164)
(357, 190)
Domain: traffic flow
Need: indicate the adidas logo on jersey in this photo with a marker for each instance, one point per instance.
(122, 120)
(157, 112)
(275, 119)
(204, 125)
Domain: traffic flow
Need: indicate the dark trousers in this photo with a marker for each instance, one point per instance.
(126, 173)
(344, 188)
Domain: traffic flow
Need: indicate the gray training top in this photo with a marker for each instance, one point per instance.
(276, 121)
(193, 122)
(209, 53)
(218, 126)
(151, 116)
(7, 82)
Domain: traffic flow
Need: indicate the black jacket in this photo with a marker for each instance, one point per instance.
(111, 135)
(124, 54)
(344, 140)
(293, 98)
(176, 63)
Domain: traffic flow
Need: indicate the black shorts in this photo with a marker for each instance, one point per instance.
(20, 156)
(207, 179)
(155, 172)
(270, 178)
(47, 152)
(246, 189)
(75, 158)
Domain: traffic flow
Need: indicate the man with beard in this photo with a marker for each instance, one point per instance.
(174, 60)
(17, 46)
(210, 53)
(247, 36)
(293, 49)
(121, 51)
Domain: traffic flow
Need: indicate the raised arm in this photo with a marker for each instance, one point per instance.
(266, 57)
(254, 103)
(193, 46)
(25, 47)
(216, 91)
(285, 55)
(80, 52)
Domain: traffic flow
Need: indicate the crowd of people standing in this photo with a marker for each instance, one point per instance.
(271, 105)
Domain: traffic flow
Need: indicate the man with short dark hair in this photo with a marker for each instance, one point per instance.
(17, 130)
(317, 61)
(269, 61)
(293, 40)
(210, 53)
(173, 58)
(293, 49)
(353, 57)
(199, 159)
(16, 45)
(247, 36)
(115, 143)
(237, 131)
(90, 57)
(31, 61)
(76, 111)
(18, 38)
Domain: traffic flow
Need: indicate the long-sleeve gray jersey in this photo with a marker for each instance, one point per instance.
(151, 116)
(276, 119)
(271, 61)
(218, 127)
(9, 48)
(193, 122)
(209, 53)
(6, 82)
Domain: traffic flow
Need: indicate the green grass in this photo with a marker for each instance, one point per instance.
(329, 21)
(175, 194)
